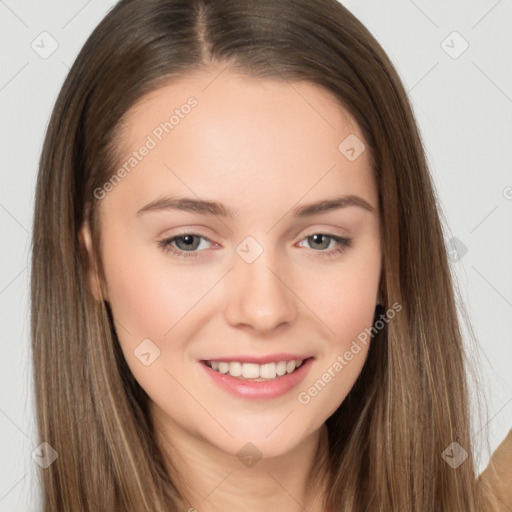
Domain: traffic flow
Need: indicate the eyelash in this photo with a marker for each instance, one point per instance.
(342, 245)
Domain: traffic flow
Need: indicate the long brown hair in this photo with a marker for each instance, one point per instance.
(410, 401)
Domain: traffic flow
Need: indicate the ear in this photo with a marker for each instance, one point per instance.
(92, 271)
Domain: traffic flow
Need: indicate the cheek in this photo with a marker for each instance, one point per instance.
(349, 305)
(148, 299)
(149, 295)
(344, 299)
(140, 299)
(345, 304)
(349, 313)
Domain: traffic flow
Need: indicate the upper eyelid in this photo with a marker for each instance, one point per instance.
(326, 231)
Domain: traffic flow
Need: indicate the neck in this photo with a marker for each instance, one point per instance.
(212, 480)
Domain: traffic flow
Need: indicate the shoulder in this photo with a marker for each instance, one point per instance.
(496, 479)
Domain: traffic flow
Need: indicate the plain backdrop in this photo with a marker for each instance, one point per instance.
(455, 60)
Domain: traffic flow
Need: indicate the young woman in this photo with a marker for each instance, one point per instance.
(240, 292)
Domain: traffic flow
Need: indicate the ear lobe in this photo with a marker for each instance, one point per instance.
(92, 271)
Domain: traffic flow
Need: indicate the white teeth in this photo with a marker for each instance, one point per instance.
(223, 368)
(281, 368)
(255, 371)
(250, 370)
(235, 369)
(267, 371)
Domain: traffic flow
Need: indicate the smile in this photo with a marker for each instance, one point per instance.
(255, 372)
(263, 382)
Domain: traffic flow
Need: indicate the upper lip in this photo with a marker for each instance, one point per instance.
(271, 358)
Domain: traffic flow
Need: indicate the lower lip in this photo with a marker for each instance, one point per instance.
(264, 390)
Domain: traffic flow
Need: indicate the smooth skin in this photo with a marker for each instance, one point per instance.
(261, 148)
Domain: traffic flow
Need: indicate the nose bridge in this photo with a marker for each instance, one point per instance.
(259, 292)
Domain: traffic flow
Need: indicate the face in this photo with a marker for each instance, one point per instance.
(257, 276)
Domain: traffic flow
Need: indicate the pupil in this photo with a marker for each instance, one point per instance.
(318, 239)
(188, 241)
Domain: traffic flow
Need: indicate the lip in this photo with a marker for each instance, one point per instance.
(265, 390)
(271, 358)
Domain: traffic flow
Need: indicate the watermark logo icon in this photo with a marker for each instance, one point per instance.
(44, 455)
(352, 147)
(456, 250)
(454, 45)
(249, 249)
(44, 45)
(146, 352)
(249, 455)
(454, 455)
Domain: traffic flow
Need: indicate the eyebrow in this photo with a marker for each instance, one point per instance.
(204, 207)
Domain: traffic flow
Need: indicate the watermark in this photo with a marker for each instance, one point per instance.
(507, 192)
(352, 147)
(152, 140)
(454, 45)
(44, 45)
(44, 455)
(455, 249)
(454, 455)
(249, 455)
(304, 397)
(146, 352)
(249, 249)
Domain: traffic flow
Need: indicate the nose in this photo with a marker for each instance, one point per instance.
(260, 296)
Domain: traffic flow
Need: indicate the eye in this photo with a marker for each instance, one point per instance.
(325, 239)
(186, 243)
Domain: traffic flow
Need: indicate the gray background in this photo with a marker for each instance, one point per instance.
(463, 104)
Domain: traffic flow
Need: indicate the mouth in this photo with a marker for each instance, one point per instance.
(257, 378)
(254, 372)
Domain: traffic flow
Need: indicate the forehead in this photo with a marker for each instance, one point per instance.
(214, 128)
(227, 86)
(239, 104)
